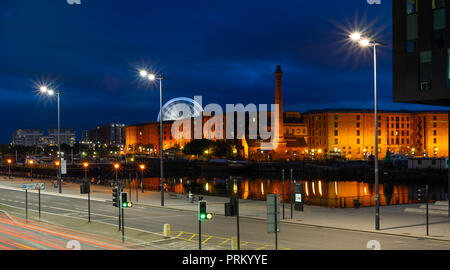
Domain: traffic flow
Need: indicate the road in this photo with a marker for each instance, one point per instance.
(217, 233)
(17, 234)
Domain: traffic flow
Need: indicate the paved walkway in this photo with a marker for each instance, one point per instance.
(394, 219)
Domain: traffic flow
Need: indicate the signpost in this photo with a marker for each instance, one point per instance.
(292, 194)
(63, 166)
(38, 187)
(299, 197)
(273, 216)
(85, 188)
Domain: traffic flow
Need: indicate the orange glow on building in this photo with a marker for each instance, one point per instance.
(351, 133)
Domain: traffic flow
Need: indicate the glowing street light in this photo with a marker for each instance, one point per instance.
(9, 161)
(31, 162)
(152, 77)
(85, 165)
(50, 92)
(364, 41)
(142, 167)
(117, 167)
(356, 36)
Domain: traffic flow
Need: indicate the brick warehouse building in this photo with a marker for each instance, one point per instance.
(292, 135)
(350, 133)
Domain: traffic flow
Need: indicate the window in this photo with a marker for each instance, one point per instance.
(434, 125)
(358, 133)
(358, 125)
(336, 117)
(425, 71)
(435, 133)
(335, 124)
(411, 7)
(438, 4)
(336, 141)
(358, 141)
(335, 133)
(379, 132)
(358, 118)
(435, 141)
(411, 27)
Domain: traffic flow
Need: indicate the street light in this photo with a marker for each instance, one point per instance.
(9, 161)
(152, 77)
(364, 42)
(85, 165)
(142, 167)
(50, 92)
(31, 162)
(117, 167)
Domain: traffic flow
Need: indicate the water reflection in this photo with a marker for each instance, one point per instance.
(339, 194)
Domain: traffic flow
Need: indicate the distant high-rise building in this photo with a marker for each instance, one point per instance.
(85, 137)
(30, 137)
(67, 136)
(112, 134)
(27, 137)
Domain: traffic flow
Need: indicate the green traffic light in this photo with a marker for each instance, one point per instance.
(202, 216)
(124, 205)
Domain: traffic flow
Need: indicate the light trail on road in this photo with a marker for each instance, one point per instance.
(34, 235)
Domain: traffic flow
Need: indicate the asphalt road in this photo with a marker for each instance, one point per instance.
(185, 225)
(39, 236)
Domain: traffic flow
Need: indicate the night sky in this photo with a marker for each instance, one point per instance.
(225, 51)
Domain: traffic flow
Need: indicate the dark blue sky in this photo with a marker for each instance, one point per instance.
(225, 51)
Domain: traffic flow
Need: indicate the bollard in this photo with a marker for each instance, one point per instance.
(166, 230)
(234, 243)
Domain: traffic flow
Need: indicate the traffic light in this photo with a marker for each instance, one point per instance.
(202, 214)
(420, 195)
(115, 197)
(125, 202)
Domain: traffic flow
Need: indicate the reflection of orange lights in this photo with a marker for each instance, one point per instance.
(142, 167)
(262, 188)
(365, 191)
(207, 187)
(335, 188)
(235, 188)
(313, 189)
(306, 189)
(320, 188)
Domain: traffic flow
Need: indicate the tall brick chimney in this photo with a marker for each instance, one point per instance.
(279, 101)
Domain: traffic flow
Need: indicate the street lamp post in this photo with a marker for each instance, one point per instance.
(45, 90)
(142, 167)
(9, 168)
(86, 165)
(367, 42)
(153, 77)
(31, 162)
